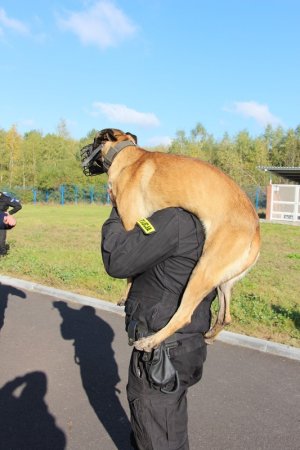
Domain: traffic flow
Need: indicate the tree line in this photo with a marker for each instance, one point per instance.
(35, 160)
(242, 155)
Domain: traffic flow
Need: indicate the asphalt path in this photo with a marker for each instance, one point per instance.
(63, 384)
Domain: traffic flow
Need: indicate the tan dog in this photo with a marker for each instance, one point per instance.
(143, 182)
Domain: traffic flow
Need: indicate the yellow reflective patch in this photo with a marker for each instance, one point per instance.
(146, 226)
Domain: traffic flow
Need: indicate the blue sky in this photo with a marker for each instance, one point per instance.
(151, 67)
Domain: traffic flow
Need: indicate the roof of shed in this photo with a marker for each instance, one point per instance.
(290, 173)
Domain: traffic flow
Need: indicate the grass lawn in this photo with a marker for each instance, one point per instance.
(60, 246)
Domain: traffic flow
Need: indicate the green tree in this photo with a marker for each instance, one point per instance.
(179, 144)
(13, 145)
(292, 149)
(32, 148)
(62, 129)
(276, 147)
(4, 159)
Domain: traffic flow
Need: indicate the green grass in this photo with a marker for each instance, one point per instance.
(60, 246)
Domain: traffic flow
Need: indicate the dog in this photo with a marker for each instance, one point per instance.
(143, 182)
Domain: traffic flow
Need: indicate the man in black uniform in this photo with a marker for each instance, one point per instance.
(6, 202)
(159, 254)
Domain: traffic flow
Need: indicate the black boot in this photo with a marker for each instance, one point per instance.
(3, 251)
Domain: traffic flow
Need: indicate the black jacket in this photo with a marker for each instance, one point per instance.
(8, 202)
(160, 263)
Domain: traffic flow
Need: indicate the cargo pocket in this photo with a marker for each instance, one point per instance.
(138, 417)
(177, 422)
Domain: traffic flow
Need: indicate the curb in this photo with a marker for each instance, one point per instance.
(227, 337)
(63, 295)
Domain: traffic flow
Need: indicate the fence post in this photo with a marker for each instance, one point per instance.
(92, 194)
(257, 198)
(34, 196)
(76, 194)
(107, 195)
(62, 194)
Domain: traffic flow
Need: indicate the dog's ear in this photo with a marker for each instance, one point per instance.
(111, 134)
(108, 134)
(103, 136)
(134, 137)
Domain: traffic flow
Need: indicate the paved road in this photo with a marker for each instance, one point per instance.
(63, 377)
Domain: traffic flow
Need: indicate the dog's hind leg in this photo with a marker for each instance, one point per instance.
(223, 317)
(211, 271)
(225, 289)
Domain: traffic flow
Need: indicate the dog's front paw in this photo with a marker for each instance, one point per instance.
(146, 344)
(209, 340)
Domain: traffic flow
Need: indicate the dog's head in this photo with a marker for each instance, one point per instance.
(97, 157)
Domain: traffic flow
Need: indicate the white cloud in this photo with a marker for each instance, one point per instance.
(123, 114)
(256, 111)
(103, 25)
(12, 24)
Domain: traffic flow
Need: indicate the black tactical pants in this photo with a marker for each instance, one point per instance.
(159, 420)
(3, 249)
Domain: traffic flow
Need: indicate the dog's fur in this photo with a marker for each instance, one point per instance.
(143, 182)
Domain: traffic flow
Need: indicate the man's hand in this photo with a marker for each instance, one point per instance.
(9, 220)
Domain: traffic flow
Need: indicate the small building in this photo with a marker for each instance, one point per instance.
(283, 200)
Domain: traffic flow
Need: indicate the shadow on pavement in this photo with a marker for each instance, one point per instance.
(5, 291)
(25, 420)
(99, 372)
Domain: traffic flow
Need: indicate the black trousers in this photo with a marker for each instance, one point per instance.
(160, 421)
(2, 240)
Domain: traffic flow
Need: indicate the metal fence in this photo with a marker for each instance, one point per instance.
(98, 194)
(257, 195)
(61, 195)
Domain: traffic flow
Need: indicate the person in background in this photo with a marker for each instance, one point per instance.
(8, 207)
(159, 254)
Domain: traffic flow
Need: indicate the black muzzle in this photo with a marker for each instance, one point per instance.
(92, 160)
(91, 155)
